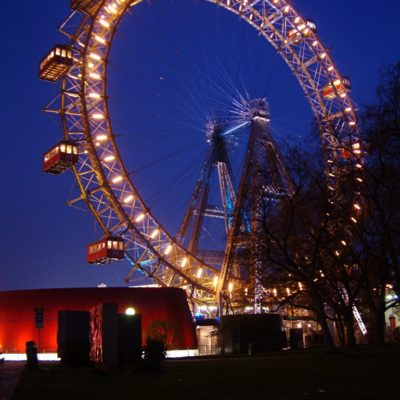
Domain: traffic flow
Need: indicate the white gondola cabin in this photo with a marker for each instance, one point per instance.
(105, 250)
(338, 87)
(60, 158)
(87, 6)
(303, 29)
(56, 63)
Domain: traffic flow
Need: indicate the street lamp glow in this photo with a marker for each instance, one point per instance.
(130, 311)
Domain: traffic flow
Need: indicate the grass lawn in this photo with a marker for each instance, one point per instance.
(362, 373)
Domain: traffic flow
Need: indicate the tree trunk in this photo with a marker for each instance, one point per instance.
(377, 336)
(321, 318)
(349, 321)
(376, 333)
(340, 331)
(330, 344)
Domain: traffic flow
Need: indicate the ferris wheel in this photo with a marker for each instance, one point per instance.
(89, 146)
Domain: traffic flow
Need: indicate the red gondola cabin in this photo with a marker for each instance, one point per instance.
(60, 158)
(105, 250)
(340, 86)
(56, 63)
(87, 6)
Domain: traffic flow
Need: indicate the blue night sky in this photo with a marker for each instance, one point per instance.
(173, 64)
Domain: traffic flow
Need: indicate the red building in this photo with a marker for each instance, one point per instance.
(160, 308)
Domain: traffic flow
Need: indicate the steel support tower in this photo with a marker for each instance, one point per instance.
(264, 178)
(217, 162)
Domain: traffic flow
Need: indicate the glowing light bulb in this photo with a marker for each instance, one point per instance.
(94, 75)
(111, 9)
(140, 217)
(94, 95)
(94, 56)
(101, 138)
(215, 281)
(128, 199)
(100, 39)
(130, 311)
(168, 249)
(154, 233)
(104, 23)
(117, 179)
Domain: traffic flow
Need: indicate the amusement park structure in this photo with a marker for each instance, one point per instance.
(131, 231)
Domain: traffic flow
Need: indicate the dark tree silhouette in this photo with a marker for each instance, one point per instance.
(378, 234)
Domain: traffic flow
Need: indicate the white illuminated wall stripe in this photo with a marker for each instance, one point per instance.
(22, 357)
(54, 357)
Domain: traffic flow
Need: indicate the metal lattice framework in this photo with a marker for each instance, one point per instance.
(103, 181)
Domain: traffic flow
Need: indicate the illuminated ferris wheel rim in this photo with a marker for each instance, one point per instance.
(101, 175)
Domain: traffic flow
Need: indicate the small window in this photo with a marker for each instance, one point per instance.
(69, 149)
(75, 150)
(109, 244)
(58, 51)
(62, 147)
(121, 245)
(69, 54)
(63, 53)
(115, 245)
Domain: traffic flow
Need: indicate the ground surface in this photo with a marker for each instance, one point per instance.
(364, 373)
(9, 375)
